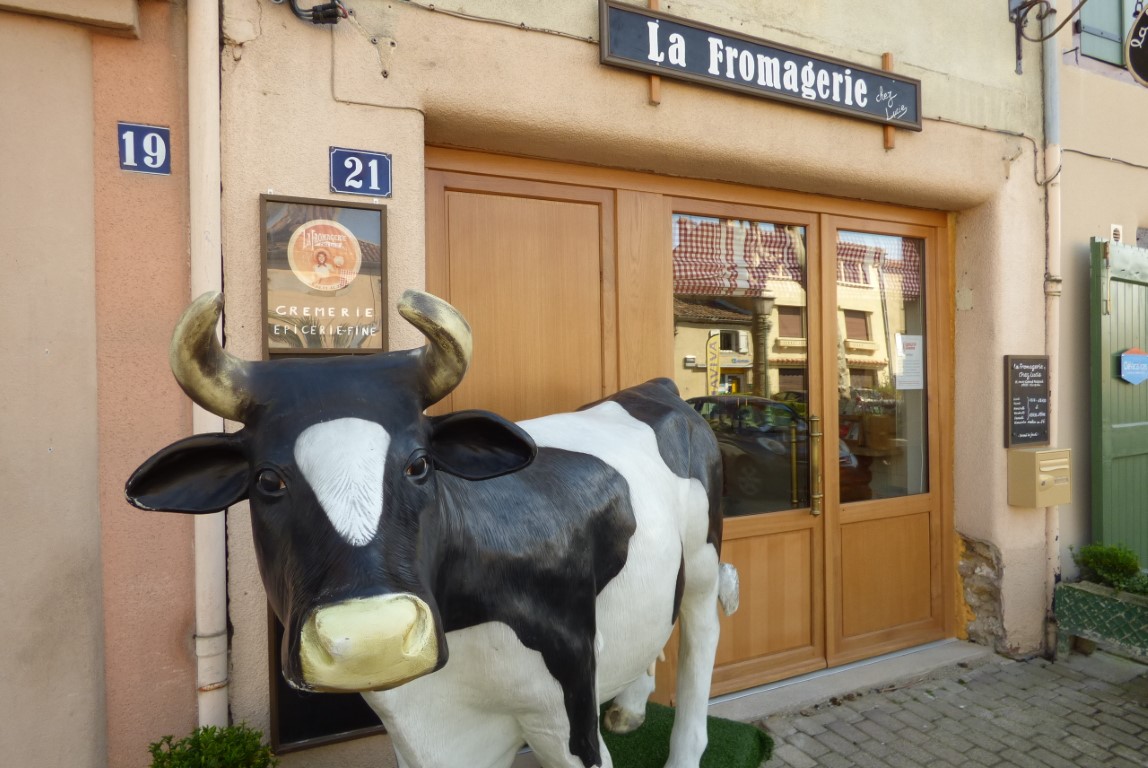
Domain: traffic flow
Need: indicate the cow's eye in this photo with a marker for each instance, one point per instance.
(418, 469)
(270, 482)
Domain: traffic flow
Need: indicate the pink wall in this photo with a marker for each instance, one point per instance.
(141, 287)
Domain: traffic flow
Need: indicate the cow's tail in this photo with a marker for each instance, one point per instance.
(729, 590)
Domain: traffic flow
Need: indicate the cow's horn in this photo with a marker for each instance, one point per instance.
(211, 377)
(447, 354)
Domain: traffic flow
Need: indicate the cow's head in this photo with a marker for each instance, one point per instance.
(339, 464)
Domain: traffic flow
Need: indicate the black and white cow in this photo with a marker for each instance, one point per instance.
(550, 557)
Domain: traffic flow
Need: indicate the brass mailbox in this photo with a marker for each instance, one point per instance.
(1039, 477)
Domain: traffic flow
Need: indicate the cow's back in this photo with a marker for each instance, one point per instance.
(686, 442)
(669, 460)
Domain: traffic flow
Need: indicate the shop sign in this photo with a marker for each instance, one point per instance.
(713, 364)
(323, 276)
(1136, 48)
(670, 46)
(1134, 366)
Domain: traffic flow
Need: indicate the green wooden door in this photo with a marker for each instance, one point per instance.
(1119, 322)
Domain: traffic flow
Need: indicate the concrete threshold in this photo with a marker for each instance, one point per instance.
(878, 672)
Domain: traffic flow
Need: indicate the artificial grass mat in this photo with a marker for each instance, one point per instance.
(731, 744)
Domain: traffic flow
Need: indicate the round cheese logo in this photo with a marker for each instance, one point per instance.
(324, 255)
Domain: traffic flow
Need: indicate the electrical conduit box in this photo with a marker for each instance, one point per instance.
(1039, 477)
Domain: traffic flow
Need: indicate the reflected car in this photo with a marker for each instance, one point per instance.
(795, 399)
(761, 442)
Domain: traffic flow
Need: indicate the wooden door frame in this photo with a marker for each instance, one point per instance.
(635, 191)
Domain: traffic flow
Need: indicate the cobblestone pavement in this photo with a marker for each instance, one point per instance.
(1078, 713)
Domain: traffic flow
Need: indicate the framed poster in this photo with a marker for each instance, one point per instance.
(323, 269)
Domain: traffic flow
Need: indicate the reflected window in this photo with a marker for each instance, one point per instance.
(791, 322)
(739, 289)
(881, 357)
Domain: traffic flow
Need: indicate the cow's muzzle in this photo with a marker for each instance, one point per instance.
(368, 644)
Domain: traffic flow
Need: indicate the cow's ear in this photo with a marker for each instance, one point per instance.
(202, 473)
(477, 445)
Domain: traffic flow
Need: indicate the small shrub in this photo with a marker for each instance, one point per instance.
(1109, 564)
(1138, 584)
(235, 746)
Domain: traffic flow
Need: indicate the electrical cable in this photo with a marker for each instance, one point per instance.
(327, 13)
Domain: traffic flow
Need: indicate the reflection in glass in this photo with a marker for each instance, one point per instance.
(740, 352)
(881, 361)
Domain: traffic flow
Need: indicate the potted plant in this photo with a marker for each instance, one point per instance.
(1109, 605)
(236, 746)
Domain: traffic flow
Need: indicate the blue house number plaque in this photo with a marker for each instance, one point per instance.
(145, 148)
(358, 172)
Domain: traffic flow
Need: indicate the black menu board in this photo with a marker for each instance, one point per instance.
(1026, 400)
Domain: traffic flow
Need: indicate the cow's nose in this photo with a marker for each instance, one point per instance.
(368, 644)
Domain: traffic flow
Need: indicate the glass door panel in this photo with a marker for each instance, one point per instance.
(881, 364)
(741, 354)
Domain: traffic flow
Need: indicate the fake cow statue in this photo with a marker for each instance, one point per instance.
(482, 583)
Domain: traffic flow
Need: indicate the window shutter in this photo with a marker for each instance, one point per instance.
(789, 323)
(856, 325)
(1104, 24)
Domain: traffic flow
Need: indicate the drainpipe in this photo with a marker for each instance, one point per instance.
(203, 95)
(1052, 265)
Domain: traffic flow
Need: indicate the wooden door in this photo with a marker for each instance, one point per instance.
(524, 262)
(885, 575)
(737, 268)
(1119, 399)
(841, 557)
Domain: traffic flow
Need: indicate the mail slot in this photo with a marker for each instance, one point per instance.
(1039, 477)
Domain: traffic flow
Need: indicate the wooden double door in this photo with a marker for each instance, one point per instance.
(814, 334)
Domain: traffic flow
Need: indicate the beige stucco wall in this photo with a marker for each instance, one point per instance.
(52, 709)
(1105, 182)
(524, 79)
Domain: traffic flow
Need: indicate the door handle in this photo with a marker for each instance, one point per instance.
(815, 495)
(794, 496)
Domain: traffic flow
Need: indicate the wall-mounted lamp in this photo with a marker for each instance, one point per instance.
(1018, 11)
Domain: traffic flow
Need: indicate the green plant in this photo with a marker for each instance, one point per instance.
(1138, 584)
(236, 746)
(1110, 564)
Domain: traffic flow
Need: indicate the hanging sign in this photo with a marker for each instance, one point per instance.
(1026, 403)
(1136, 48)
(670, 46)
(1134, 365)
